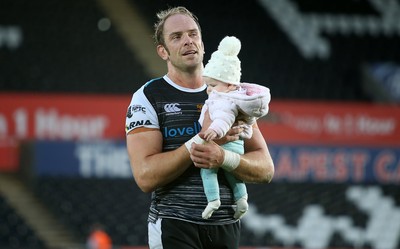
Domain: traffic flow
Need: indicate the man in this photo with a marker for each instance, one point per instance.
(166, 154)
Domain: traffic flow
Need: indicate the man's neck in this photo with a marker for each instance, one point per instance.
(191, 80)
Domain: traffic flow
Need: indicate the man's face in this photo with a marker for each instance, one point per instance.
(183, 42)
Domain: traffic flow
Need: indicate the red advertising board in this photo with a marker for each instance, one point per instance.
(25, 116)
(296, 122)
(61, 116)
(89, 117)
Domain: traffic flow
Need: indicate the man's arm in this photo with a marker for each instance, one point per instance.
(255, 165)
(151, 167)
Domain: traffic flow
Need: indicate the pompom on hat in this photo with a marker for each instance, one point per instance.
(224, 64)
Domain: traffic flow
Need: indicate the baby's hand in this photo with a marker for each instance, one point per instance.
(209, 135)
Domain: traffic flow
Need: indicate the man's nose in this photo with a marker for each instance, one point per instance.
(188, 39)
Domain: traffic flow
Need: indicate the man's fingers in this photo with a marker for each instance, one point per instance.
(199, 161)
(204, 155)
(197, 148)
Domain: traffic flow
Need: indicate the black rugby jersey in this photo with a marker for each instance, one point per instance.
(175, 111)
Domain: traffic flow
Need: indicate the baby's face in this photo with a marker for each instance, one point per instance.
(216, 85)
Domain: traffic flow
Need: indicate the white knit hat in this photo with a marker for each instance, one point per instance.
(224, 64)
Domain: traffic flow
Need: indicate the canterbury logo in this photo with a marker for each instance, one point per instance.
(173, 107)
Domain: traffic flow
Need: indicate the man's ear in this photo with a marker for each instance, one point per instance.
(162, 52)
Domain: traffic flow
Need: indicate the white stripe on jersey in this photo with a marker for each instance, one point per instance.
(154, 232)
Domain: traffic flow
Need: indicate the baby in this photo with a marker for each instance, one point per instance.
(229, 101)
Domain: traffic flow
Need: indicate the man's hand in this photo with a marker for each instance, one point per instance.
(208, 155)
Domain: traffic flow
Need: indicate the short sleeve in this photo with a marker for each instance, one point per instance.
(140, 113)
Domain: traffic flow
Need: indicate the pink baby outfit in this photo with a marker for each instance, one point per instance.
(248, 103)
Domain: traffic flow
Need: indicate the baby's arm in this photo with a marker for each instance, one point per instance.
(222, 114)
(208, 134)
(216, 118)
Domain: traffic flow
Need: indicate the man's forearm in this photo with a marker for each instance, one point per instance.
(160, 169)
(255, 167)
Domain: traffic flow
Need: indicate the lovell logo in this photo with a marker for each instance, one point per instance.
(172, 108)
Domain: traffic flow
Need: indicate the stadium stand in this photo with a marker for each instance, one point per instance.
(269, 57)
(14, 232)
(121, 206)
(292, 201)
(117, 204)
(64, 50)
